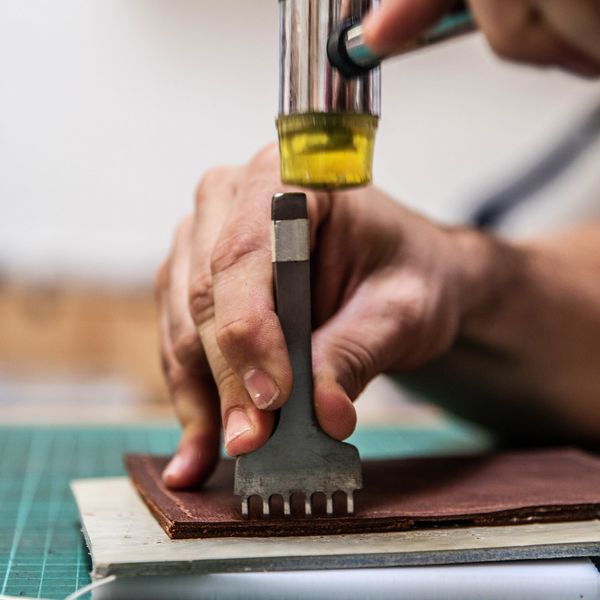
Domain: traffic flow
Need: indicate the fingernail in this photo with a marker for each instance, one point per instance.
(261, 387)
(237, 424)
(175, 467)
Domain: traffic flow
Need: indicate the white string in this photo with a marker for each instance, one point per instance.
(90, 587)
(77, 594)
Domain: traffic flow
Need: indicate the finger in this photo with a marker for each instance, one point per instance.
(183, 334)
(379, 327)
(517, 31)
(399, 22)
(247, 328)
(344, 361)
(334, 275)
(196, 405)
(245, 426)
(577, 22)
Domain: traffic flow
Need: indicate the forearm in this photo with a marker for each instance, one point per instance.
(527, 359)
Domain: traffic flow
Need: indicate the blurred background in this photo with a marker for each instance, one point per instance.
(110, 111)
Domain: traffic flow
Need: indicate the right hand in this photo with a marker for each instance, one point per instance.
(564, 33)
(390, 292)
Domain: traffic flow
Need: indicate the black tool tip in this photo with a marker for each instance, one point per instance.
(289, 206)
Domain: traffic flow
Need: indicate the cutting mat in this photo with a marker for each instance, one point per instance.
(42, 553)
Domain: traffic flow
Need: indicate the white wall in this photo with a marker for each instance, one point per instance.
(111, 109)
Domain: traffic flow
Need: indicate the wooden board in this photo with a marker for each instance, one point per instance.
(124, 539)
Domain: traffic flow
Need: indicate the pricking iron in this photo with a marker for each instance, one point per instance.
(299, 460)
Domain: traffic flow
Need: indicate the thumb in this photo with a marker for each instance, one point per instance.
(354, 346)
(398, 22)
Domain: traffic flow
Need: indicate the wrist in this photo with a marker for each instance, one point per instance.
(491, 273)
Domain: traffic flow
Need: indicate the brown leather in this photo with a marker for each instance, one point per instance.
(497, 489)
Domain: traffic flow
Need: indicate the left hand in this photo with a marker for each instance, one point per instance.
(391, 291)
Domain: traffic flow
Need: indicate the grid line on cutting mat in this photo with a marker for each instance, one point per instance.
(42, 553)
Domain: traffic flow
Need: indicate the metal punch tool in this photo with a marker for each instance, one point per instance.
(299, 458)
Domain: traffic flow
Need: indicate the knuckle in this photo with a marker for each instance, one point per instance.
(201, 298)
(232, 249)
(164, 364)
(266, 158)
(411, 316)
(173, 372)
(183, 229)
(161, 279)
(359, 364)
(240, 332)
(508, 44)
(187, 348)
(427, 325)
(229, 389)
(212, 177)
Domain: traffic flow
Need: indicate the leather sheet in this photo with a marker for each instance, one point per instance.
(495, 489)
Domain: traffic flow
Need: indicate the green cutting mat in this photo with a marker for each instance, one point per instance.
(42, 553)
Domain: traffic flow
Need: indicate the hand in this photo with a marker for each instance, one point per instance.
(544, 32)
(389, 292)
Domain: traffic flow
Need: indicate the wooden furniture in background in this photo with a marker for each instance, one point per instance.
(72, 329)
(88, 334)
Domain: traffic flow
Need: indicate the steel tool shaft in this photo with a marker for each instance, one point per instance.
(299, 458)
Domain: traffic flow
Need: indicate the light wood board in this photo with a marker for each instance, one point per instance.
(125, 539)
